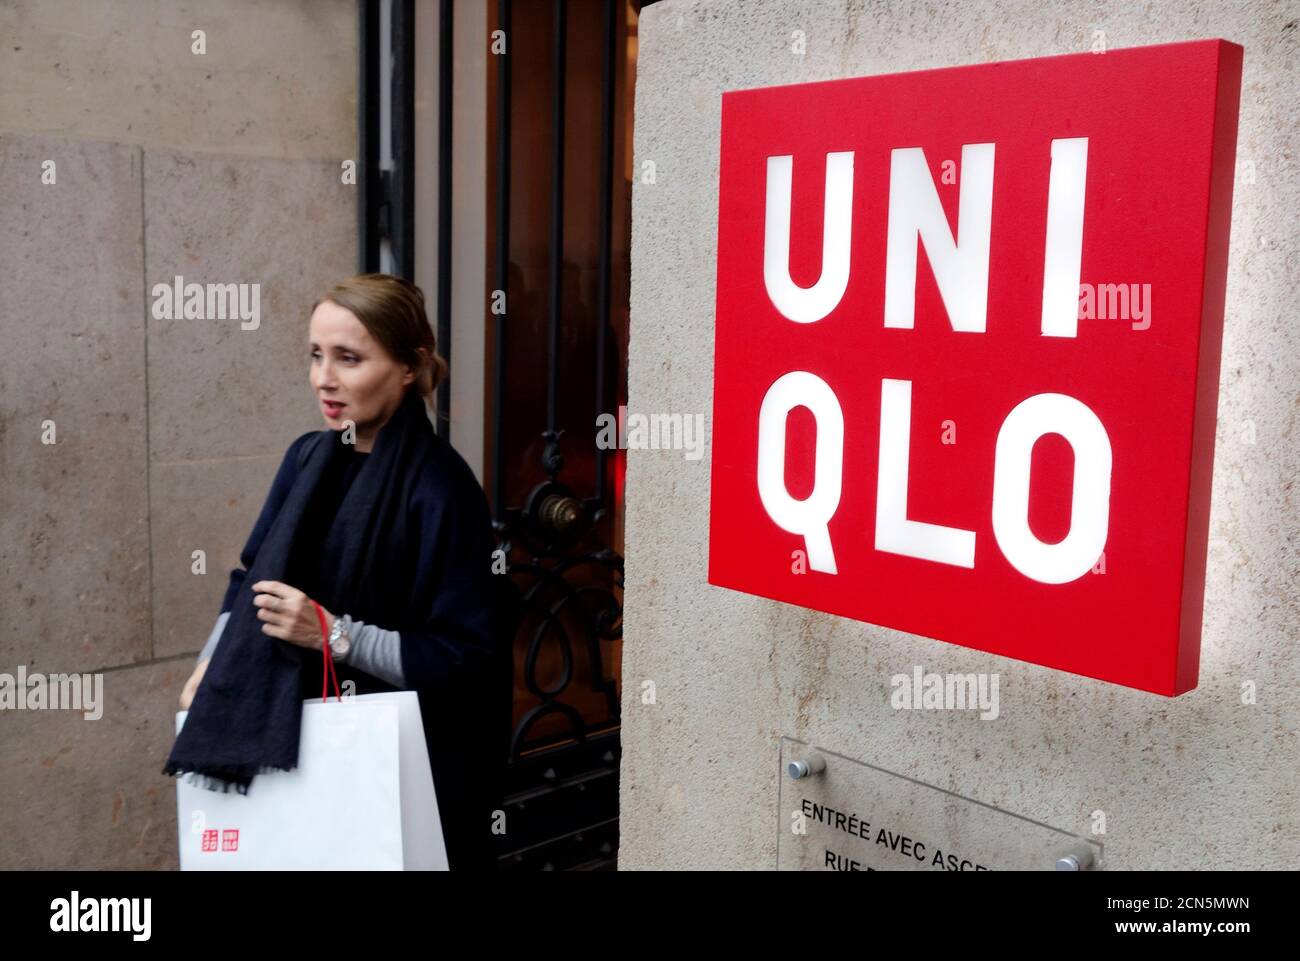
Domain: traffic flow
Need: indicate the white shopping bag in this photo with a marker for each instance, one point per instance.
(362, 797)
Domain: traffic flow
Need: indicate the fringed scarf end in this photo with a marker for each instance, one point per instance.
(238, 778)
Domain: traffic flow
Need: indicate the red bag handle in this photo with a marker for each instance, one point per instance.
(327, 668)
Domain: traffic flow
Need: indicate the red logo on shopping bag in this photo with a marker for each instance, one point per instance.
(229, 839)
(967, 352)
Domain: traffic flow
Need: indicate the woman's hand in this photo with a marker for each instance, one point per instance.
(289, 614)
(192, 685)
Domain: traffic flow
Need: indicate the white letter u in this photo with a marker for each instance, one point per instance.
(804, 305)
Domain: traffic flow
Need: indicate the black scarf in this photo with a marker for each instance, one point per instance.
(246, 716)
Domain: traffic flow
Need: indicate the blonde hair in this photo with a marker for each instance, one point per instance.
(392, 311)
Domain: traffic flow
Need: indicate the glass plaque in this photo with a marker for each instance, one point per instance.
(837, 814)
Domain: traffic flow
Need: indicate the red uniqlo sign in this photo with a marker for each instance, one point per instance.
(967, 352)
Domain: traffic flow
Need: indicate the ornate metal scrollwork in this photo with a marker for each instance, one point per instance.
(569, 588)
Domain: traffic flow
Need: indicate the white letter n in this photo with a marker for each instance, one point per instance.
(961, 268)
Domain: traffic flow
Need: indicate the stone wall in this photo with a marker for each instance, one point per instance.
(222, 167)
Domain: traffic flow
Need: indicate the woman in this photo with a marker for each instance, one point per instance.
(378, 527)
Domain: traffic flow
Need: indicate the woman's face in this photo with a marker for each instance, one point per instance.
(353, 377)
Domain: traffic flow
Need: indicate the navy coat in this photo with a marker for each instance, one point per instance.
(414, 557)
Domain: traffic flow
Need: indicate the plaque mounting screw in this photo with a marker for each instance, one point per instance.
(1076, 859)
(802, 769)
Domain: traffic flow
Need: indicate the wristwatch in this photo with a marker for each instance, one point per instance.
(341, 637)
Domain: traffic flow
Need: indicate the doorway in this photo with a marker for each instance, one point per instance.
(497, 157)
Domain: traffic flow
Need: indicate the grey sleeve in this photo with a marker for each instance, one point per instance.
(376, 651)
(215, 637)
